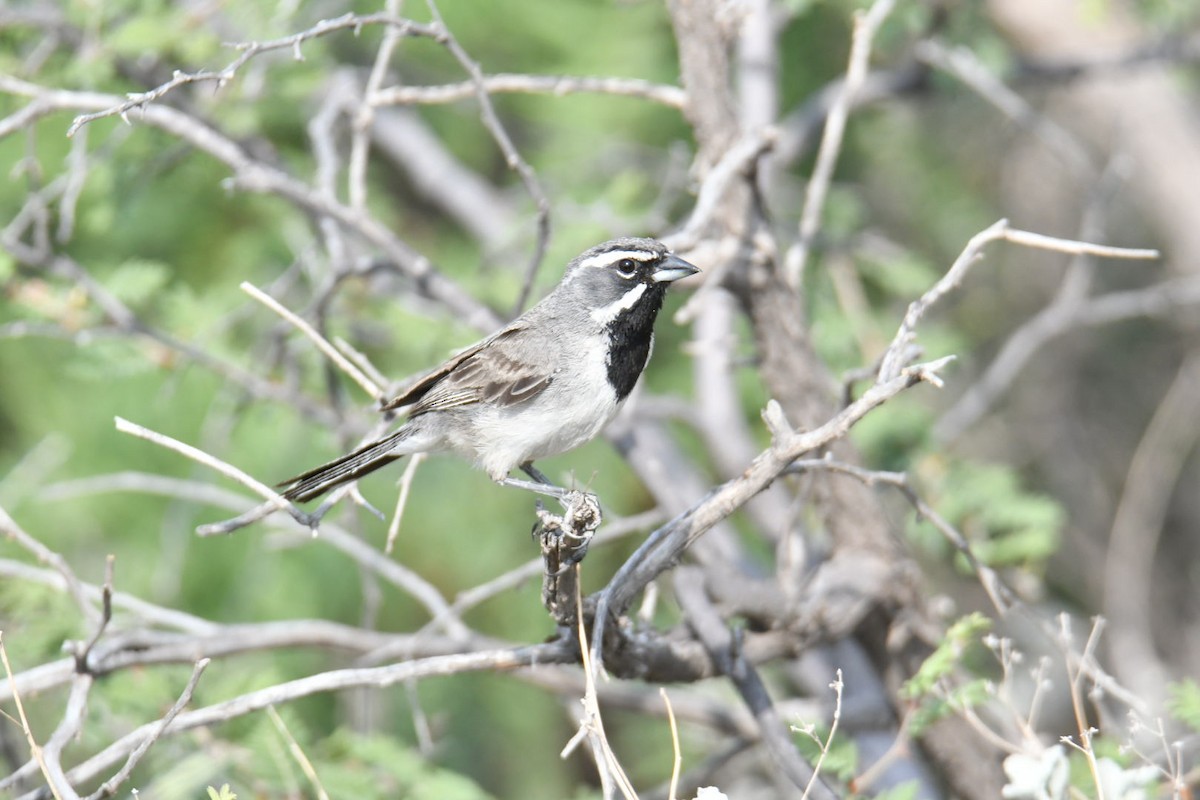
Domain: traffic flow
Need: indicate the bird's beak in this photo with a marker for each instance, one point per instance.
(672, 269)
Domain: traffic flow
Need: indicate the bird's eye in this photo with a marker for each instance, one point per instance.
(626, 267)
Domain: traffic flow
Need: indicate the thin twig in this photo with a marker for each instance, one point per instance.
(963, 64)
(106, 597)
(899, 351)
(360, 137)
(360, 360)
(249, 50)
(592, 725)
(512, 157)
(109, 787)
(500, 83)
(837, 686)
(254, 175)
(866, 23)
(195, 454)
(297, 753)
(362, 553)
(77, 170)
(406, 480)
(1075, 674)
(323, 344)
(35, 749)
(999, 593)
(11, 530)
(677, 756)
(336, 680)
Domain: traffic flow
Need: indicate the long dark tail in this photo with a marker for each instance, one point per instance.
(352, 466)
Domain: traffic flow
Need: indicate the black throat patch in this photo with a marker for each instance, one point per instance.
(631, 334)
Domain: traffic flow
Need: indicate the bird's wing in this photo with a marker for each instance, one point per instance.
(489, 372)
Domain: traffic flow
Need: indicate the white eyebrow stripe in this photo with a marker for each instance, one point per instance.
(613, 256)
(606, 314)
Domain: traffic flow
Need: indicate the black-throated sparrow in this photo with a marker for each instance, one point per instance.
(544, 384)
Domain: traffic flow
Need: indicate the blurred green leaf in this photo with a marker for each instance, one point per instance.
(946, 658)
(909, 790)
(362, 766)
(904, 275)
(1006, 524)
(224, 793)
(137, 281)
(107, 359)
(960, 697)
(842, 758)
(1184, 702)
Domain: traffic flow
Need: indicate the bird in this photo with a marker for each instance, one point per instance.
(544, 384)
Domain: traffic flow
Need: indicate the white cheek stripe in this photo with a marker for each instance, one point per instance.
(613, 256)
(606, 314)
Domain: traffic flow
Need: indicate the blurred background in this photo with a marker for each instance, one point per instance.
(1063, 446)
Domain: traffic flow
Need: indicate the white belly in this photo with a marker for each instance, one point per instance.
(567, 414)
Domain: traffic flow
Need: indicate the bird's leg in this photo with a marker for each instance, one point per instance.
(548, 489)
(567, 536)
(540, 483)
(529, 469)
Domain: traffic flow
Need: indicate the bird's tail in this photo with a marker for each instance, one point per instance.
(352, 466)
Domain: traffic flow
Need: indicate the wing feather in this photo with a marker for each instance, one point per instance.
(489, 372)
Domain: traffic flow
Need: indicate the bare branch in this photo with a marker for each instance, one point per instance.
(356, 177)
(511, 157)
(866, 24)
(257, 176)
(45, 555)
(899, 351)
(273, 498)
(332, 353)
(722, 646)
(506, 83)
(665, 546)
(1160, 300)
(337, 680)
(36, 751)
(1138, 527)
(966, 67)
(249, 50)
(733, 167)
(110, 786)
(363, 554)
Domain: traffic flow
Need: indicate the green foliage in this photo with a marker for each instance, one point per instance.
(361, 766)
(892, 439)
(958, 698)
(948, 656)
(137, 281)
(1184, 703)
(35, 620)
(936, 688)
(842, 759)
(1170, 15)
(159, 227)
(165, 30)
(909, 790)
(1005, 524)
(107, 359)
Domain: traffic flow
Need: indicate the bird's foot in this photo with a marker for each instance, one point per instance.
(564, 540)
(544, 486)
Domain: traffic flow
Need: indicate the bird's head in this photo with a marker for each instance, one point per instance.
(624, 277)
